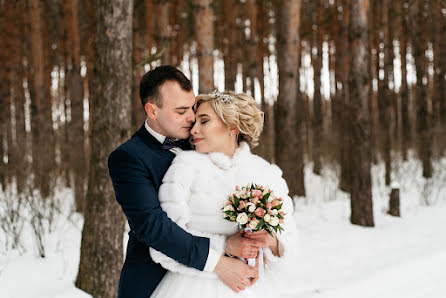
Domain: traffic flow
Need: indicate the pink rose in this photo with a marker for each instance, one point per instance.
(255, 200)
(268, 205)
(256, 193)
(237, 188)
(259, 212)
(281, 220)
(242, 205)
(270, 212)
(275, 203)
(281, 213)
(228, 203)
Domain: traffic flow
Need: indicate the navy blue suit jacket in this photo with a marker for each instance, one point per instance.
(137, 168)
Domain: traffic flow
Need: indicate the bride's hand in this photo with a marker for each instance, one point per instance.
(240, 246)
(263, 235)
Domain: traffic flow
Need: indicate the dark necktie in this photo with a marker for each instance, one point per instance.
(170, 143)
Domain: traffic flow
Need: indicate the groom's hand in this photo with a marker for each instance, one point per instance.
(235, 274)
(239, 246)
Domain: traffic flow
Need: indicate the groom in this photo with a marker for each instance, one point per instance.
(137, 168)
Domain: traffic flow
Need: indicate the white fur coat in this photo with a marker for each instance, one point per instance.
(195, 189)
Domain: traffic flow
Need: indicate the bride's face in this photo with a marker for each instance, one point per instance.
(210, 133)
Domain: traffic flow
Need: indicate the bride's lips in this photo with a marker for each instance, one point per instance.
(196, 140)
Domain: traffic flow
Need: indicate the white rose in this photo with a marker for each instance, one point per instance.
(274, 211)
(253, 224)
(251, 207)
(271, 197)
(267, 218)
(228, 208)
(274, 221)
(242, 218)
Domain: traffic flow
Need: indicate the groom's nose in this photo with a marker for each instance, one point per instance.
(190, 116)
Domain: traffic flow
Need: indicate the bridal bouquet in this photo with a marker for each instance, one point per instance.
(255, 208)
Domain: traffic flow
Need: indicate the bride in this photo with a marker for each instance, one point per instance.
(196, 187)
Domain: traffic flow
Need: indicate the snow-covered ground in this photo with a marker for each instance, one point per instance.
(398, 258)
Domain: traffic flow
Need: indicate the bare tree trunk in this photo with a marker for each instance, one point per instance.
(419, 45)
(138, 114)
(317, 99)
(404, 90)
(162, 28)
(286, 138)
(439, 35)
(150, 24)
(204, 34)
(387, 93)
(344, 69)
(230, 37)
(361, 189)
(41, 121)
(252, 48)
(76, 131)
(110, 87)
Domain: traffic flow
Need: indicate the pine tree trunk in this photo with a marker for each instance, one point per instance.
(162, 29)
(287, 141)
(317, 99)
(387, 93)
(438, 34)
(361, 186)
(345, 177)
(138, 114)
(76, 131)
(230, 37)
(41, 123)
(418, 15)
(204, 34)
(404, 90)
(110, 87)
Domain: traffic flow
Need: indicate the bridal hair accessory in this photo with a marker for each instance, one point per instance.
(226, 98)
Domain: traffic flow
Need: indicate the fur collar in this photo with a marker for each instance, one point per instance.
(225, 162)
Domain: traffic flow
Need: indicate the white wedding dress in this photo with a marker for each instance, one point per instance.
(193, 192)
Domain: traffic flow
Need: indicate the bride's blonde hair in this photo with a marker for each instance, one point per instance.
(236, 110)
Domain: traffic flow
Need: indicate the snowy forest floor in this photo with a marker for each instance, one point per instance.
(398, 258)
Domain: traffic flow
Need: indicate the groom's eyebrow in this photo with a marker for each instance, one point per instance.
(183, 108)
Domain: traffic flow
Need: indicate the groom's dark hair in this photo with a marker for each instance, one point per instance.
(152, 80)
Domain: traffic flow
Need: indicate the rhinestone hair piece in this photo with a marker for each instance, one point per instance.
(226, 98)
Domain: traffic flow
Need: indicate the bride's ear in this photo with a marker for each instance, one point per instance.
(233, 129)
(151, 110)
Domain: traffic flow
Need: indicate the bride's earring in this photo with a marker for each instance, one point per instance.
(230, 134)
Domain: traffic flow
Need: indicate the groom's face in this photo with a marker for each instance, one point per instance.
(176, 117)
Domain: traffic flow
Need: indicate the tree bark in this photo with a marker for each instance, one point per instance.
(41, 120)
(360, 155)
(344, 69)
(317, 99)
(404, 90)
(162, 29)
(230, 39)
(287, 141)
(76, 129)
(419, 46)
(204, 34)
(387, 93)
(101, 246)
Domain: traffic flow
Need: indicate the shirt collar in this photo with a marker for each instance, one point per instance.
(156, 135)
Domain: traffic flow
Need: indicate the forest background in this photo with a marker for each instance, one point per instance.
(344, 85)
